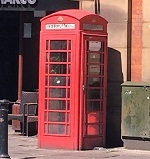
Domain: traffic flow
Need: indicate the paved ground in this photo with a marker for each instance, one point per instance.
(22, 147)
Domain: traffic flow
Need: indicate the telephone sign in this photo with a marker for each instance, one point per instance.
(92, 27)
(60, 26)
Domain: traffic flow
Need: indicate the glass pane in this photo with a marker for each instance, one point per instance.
(93, 93)
(102, 70)
(68, 105)
(47, 42)
(46, 69)
(69, 45)
(56, 129)
(102, 47)
(102, 93)
(69, 56)
(45, 128)
(93, 105)
(68, 117)
(93, 130)
(93, 81)
(93, 117)
(102, 58)
(69, 69)
(46, 81)
(56, 117)
(58, 81)
(68, 81)
(57, 93)
(46, 92)
(58, 69)
(102, 82)
(93, 57)
(68, 93)
(94, 69)
(57, 105)
(45, 116)
(46, 103)
(47, 55)
(58, 57)
(58, 44)
(101, 118)
(67, 130)
(102, 104)
(94, 46)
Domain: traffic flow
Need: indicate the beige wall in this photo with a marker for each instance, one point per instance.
(146, 41)
(116, 14)
(87, 5)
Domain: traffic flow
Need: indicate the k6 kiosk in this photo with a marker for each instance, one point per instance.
(72, 80)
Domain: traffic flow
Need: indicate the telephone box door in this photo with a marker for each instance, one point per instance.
(57, 120)
(94, 91)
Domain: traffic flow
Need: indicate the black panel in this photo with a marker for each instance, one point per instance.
(9, 29)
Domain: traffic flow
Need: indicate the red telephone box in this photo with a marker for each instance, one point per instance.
(72, 80)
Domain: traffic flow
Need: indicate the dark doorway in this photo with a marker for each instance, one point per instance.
(9, 48)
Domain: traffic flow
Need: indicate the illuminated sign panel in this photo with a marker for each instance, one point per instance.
(39, 5)
(59, 26)
(93, 27)
(3, 2)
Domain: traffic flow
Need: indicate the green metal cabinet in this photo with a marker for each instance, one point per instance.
(135, 110)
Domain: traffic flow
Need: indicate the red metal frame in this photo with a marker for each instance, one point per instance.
(94, 121)
(68, 114)
(79, 27)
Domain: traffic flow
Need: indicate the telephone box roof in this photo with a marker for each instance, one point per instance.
(75, 13)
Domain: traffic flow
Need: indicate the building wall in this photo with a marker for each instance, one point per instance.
(87, 5)
(136, 39)
(145, 41)
(117, 16)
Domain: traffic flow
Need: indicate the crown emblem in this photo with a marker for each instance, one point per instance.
(60, 19)
(93, 20)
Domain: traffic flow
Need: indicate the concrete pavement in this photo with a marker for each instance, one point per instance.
(22, 147)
